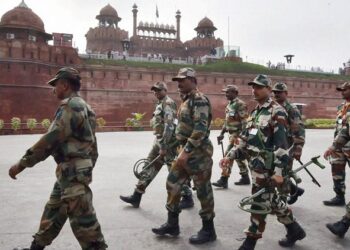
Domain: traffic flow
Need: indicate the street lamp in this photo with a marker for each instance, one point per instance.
(289, 58)
(126, 46)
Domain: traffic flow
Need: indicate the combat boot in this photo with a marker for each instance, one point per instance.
(206, 234)
(33, 246)
(222, 182)
(133, 199)
(340, 227)
(248, 244)
(294, 232)
(186, 202)
(171, 227)
(295, 192)
(338, 200)
(245, 180)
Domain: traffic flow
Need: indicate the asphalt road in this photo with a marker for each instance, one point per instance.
(124, 227)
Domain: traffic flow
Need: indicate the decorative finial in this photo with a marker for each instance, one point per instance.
(23, 4)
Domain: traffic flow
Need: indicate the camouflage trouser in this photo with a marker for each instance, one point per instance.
(338, 162)
(154, 169)
(199, 169)
(71, 198)
(271, 198)
(243, 169)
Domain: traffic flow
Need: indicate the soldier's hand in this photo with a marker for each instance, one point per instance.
(182, 159)
(225, 163)
(162, 153)
(297, 156)
(277, 180)
(15, 170)
(329, 152)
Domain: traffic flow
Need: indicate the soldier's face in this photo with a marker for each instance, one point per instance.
(231, 94)
(346, 93)
(60, 89)
(280, 96)
(261, 92)
(159, 93)
(185, 86)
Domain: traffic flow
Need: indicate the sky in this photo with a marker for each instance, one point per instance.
(315, 31)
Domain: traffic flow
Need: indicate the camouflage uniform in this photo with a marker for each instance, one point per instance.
(265, 144)
(163, 124)
(71, 141)
(339, 145)
(235, 121)
(192, 132)
(339, 159)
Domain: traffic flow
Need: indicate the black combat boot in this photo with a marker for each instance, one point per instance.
(245, 180)
(340, 227)
(171, 227)
(222, 182)
(295, 192)
(133, 199)
(248, 244)
(186, 202)
(33, 246)
(294, 232)
(206, 234)
(338, 200)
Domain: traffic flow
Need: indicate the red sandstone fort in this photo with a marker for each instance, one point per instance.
(27, 61)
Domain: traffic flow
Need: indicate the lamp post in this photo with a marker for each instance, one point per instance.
(289, 58)
(126, 46)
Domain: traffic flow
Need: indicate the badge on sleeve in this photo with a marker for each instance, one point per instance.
(253, 131)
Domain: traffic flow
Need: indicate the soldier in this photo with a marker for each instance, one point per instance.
(264, 143)
(340, 150)
(235, 121)
(71, 141)
(163, 123)
(194, 159)
(296, 133)
(338, 160)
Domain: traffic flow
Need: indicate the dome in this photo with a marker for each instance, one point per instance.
(22, 17)
(108, 10)
(205, 23)
(151, 25)
(167, 26)
(162, 26)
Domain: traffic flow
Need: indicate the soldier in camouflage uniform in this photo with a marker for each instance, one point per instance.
(163, 123)
(341, 145)
(296, 133)
(235, 120)
(71, 141)
(194, 159)
(338, 159)
(264, 143)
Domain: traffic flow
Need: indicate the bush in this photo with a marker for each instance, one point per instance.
(135, 121)
(218, 122)
(2, 124)
(319, 123)
(15, 123)
(31, 123)
(45, 123)
(101, 122)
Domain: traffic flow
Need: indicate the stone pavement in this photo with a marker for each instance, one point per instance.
(124, 227)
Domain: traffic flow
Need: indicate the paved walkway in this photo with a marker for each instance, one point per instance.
(124, 227)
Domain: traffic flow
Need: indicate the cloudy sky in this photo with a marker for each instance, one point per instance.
(315, 31)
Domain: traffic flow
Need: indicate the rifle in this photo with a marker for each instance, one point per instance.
(247, 203)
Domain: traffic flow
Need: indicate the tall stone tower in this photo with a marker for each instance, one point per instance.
(178, 17)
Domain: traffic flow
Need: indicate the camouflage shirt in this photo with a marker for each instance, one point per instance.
(343, 113)
(296, 128)
(235, 116)
(264, 141)
(194, 117)
(71, 135)
(163, 121)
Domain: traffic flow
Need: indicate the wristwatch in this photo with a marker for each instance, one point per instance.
(187, 149)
